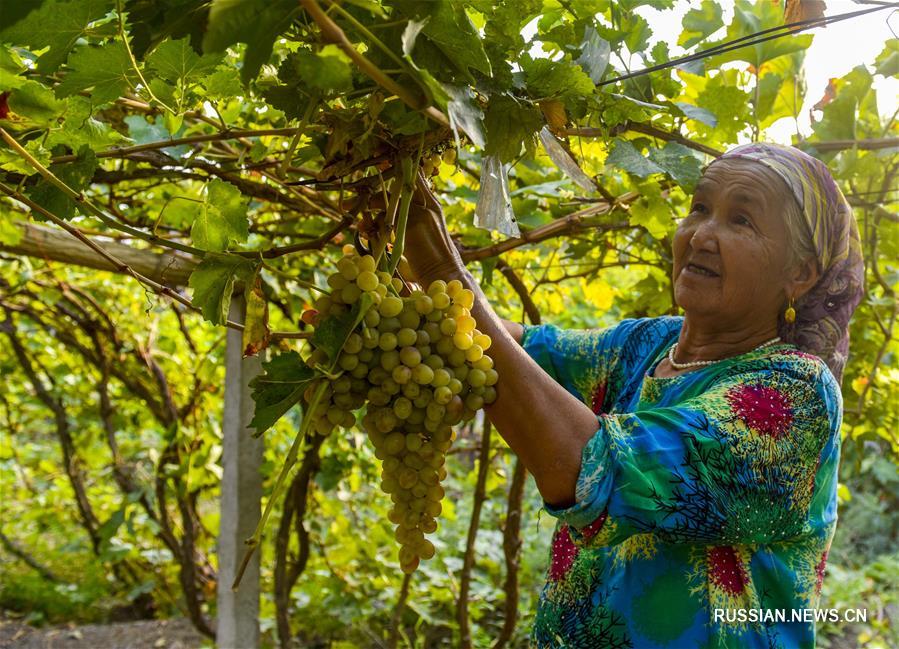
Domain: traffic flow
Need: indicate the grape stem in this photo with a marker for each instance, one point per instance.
(280, 481)
(407, 188)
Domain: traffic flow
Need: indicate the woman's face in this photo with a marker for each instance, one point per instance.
(730, 252)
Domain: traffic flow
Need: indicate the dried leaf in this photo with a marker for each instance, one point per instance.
(554, 112)
(256, 333)
(798, 10)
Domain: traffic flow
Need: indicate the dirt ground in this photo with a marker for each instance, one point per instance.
(148, 634)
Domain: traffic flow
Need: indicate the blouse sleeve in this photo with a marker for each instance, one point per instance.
(591, 363)
(751, 460)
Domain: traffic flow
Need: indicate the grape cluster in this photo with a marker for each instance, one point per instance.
(417, 364)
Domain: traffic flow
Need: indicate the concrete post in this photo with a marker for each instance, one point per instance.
(238, 613)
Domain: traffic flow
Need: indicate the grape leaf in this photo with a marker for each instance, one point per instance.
(213, 283)
(254, 22)
(326, 70)
(625, 156)
(547, 78)
(221, 84)
(36, 103)
(698, 113)
(176, 61)
(331, 335)
(278, 389)
(510, 123)
(679, 162)
(55, 25)
(82, 128)
(105, 70)
(10, 234)
(447, 25)
(76, 174)
(699, 23)
(222, 218)
(12, 161)
(11, 66)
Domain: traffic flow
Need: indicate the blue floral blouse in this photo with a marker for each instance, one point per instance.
(706, 502)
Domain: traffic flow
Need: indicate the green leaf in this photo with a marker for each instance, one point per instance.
(81, 128)
(447, 25)
(213, 283)
(11, 66)
(278, 389)
(679, 162)
(751, 18)
(222, 218)
(37, 104)
(625, 156)
(839, 117)
(331, 335)
(699, 23)
(10, 233)
(650, 211)
(697, 113)
(76, 174)
(57, 26)
(176, 61)
(222, 84)
(510, 123)
(106, 71)
(254, 22)
(547, 78)
(11, 161)
(328, 70)
(887, 62)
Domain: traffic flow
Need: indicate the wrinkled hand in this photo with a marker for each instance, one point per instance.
(429, 248)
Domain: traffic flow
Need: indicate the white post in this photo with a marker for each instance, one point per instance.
(238, 612)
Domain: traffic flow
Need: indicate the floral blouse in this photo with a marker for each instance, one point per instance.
(706, 502)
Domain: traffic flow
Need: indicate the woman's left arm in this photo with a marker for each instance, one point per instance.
(545, 425)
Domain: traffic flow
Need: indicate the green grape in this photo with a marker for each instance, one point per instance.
(348, 270)
(448, 327)
(465, 298)
(402, 408)
(443, 395)
(401, 374)
(462, 340)
(477, 378)
(390, 359)
(406, 337)
(353, 344)
(440, 301)
(348, 361)
(366, 263)
(350, 293)
(367, 281)
(453, 287)
(387, 341)
(410, 357)
(391, 325)
(422, 374)
(437, 286)
(424, 304)
(409, 318)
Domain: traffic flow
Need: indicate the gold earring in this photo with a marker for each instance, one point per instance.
(790, 313)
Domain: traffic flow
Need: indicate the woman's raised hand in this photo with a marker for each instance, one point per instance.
(429, 249)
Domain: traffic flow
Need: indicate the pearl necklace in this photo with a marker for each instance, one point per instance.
(682, 366)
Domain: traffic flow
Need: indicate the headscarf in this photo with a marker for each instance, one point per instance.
(822, 314)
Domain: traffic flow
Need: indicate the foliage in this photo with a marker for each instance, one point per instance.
(247, 138)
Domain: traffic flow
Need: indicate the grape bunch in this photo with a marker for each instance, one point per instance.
(417, 365)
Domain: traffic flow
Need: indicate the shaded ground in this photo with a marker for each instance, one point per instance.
(147, 634)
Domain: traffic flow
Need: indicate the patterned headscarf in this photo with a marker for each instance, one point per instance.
(822, 314)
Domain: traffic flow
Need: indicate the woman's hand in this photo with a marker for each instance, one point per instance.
(430, 250)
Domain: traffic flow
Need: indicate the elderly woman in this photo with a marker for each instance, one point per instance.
(691, 461)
